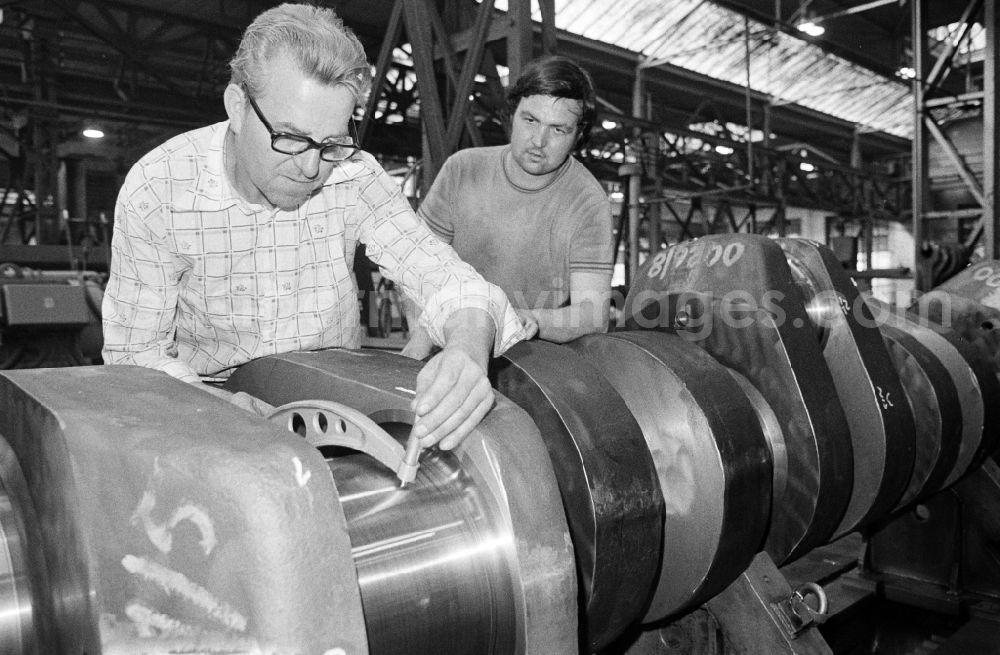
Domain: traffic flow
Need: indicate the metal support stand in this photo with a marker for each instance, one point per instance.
(991, 137)
(760, 613)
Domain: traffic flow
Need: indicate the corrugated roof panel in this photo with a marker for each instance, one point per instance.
(708, 39)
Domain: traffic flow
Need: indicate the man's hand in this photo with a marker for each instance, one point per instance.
(241, 399)
(453, 392)
(530, 320)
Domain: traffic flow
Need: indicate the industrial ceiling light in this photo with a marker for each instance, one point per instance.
(811, 28)
(906, 72)
(92, 132)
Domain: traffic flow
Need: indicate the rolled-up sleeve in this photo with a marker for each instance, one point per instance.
(428, 270)
(140, 301)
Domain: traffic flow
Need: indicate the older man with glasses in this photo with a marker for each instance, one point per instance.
(235, 241)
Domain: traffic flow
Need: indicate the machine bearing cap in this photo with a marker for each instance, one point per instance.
(156, 496)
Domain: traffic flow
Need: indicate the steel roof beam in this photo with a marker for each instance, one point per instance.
(875, 64)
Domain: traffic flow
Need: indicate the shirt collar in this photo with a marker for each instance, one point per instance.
(211, 189)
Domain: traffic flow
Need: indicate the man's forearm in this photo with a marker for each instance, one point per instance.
(152, 358)
(472, 330)
(570, 322)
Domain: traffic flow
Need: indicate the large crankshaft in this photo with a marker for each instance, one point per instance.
(753, 404)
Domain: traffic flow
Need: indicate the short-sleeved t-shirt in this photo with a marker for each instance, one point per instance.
(526, 241)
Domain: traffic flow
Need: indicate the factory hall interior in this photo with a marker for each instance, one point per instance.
(499, 327)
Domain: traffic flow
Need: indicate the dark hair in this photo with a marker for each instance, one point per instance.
(558, 77)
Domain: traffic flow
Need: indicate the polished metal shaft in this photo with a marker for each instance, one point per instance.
(433, 565)
(15, 598)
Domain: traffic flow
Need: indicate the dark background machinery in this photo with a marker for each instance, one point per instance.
(677, 144)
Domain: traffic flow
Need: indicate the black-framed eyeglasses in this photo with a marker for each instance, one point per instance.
(335, 149)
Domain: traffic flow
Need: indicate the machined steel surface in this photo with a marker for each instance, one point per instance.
(431, 555)
(937, 414)
(607, 479)
(734, 296)
(954, 355)
(944, 392)
(771, 428)
(20, 585)
(968, 305)
(966, 326)
(881, 424)
(169, 519)
(483, 522)
(713, 461)
(424, 552)
(976, 323)
(433, 558)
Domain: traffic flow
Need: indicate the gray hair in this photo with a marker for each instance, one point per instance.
(315, 37)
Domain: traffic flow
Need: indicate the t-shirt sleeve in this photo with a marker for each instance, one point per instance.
(436, 208)
(593, 242)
